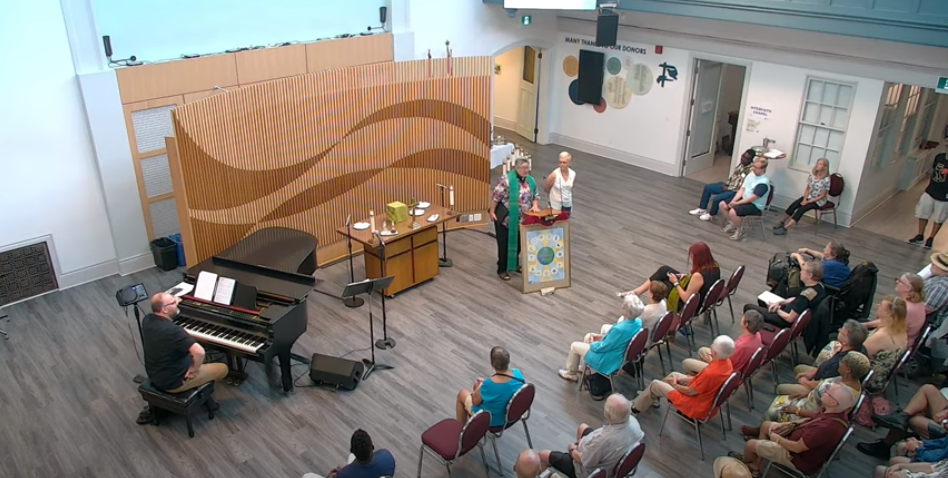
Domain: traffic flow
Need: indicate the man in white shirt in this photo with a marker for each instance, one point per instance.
(750, 200)
(599, 448)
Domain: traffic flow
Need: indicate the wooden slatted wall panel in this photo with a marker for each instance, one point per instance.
(304, 152)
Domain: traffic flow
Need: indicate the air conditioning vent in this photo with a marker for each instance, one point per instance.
(26, 272)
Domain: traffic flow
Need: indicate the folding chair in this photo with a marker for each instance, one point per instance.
(518, 410)
(450, 439)
(660, 336)
(732, 283)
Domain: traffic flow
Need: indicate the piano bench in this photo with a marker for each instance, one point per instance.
(185, 403)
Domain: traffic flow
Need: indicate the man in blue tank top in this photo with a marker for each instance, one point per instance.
(750, 200)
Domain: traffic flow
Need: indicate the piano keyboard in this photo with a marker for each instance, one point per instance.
(224, 336)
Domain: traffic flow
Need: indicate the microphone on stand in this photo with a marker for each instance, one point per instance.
(353, 301)
(442, 186)
(385, 342)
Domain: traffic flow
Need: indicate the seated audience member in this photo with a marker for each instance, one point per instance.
(692, 396)
(364, 462)
(936, 292)
(174, 361)
(851, 337)
(704, 273)
(599, 448)
(605, 353)
(911, 288)
(750, 200)
(784, 313)
(913, 470)
(716, 193)
(492, 393)
(814, 197)
(787, 408)
(835, 261)
(744, 347)
(528, 464)
(809, 441)
(653, 312)
(727, 467)
(923, 416)
(885, 345)
(913, 450)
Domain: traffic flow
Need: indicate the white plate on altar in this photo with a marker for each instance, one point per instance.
(418, 212)
(360, 226)
(423, 204)
(433, 217)
(388, 233)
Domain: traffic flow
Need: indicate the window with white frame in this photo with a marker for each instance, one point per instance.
(823, 122)
(884, 134)
(927, 115)
(909, 119)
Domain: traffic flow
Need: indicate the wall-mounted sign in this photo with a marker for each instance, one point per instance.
(942, 85)
(526, 20)
(761, 112)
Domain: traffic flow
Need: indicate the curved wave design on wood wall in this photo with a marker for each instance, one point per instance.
(307, 151)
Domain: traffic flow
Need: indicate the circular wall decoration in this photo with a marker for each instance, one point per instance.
(617, 92)
(614, 66)
(571, 66)
(640, 79)
(574, 92)
(601, 107)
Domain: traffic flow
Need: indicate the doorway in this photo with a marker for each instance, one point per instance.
(517, 91)
(716, 93)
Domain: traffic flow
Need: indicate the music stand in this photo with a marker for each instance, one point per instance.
(369, 287)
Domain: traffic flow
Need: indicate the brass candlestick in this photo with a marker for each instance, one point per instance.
(411, 212)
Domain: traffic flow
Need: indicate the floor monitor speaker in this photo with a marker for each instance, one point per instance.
(335, 372)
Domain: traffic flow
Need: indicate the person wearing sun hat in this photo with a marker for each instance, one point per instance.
(727, 467)
(936, 305)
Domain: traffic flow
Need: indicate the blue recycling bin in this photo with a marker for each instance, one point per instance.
(176, 239)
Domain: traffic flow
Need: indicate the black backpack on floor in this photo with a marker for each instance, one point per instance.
(599, 386)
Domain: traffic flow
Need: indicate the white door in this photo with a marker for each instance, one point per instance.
(704, 105)
(527, 115)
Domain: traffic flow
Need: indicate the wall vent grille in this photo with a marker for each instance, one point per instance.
(26, 272)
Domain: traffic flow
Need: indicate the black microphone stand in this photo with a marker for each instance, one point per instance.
(385, 342)
(351, 301)
(443, 261)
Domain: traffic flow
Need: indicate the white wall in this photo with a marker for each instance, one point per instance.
(50, 181)
(507, 88)
(732, 90)
(646, 131)
(781, 89)
(162, 29)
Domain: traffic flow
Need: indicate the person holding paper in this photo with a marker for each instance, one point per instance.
(174, 361)
(784, 312)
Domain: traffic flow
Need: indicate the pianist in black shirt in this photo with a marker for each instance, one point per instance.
(174, 361)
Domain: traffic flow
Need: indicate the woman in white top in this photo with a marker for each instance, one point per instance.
(560, 184)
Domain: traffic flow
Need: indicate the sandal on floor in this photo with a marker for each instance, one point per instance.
(504, 276)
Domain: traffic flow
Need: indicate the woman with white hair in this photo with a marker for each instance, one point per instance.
(605, 352)
(559, 184)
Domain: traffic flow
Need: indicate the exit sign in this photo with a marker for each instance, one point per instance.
(526, 20)
(942, 85)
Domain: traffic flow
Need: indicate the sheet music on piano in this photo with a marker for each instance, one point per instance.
(206, 283)
(225, 290)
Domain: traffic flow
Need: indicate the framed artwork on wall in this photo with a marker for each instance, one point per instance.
(545, 256)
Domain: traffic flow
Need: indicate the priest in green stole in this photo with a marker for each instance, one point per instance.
(507, 216)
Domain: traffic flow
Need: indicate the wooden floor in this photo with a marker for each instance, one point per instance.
(719, 170)
(895, 217)
(69, 404)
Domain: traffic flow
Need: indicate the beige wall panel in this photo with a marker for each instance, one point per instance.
(254, 66)
(177, 77)
(349, 52)
(200, 95)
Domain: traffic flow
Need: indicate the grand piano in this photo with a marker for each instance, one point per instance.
(273, 269)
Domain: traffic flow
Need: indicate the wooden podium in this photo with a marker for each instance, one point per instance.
(411, 256)
(545, 251)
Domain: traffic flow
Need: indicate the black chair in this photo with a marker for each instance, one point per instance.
(185, 403)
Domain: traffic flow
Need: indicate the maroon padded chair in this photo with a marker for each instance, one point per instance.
(774, 349)
(450, 439)
(635, 353)
(688, 314)
(598, 473)
(796, 329)
(518, 410)
(711, 301)
(629, 463)
(750, 369)
(837, 184)
(732, 283)
(672, 331)
(720, 400)
(660, 334)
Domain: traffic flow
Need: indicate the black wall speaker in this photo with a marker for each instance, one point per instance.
(107, 43)
(335, 372)
(607, 28)
(383, 14)
(591, 74)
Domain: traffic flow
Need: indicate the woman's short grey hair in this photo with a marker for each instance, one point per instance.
(520, 161)
(723, 347)
(632, 306)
